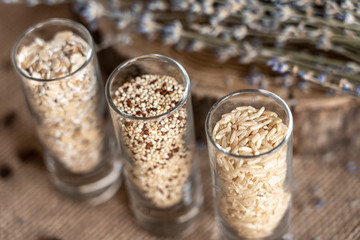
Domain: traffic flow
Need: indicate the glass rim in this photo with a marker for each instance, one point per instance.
(240, 92)
(64, 21)
(133, 60)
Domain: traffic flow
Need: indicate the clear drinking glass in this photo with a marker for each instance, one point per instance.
(57, 66)
(162, 175)
(252, 193)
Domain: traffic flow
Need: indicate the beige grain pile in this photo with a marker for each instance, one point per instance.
(161, 161)
(67, 110)
(254, 198)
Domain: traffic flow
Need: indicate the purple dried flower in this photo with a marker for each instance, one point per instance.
(351, 68)
(226, 35)
(349, 18)
(222, 54)
(283, 68)
(347, 4)
(302, 74)
(110, 39)
(240, 32)
(182, 45)
(137, 9)
(301, 27)
(324, 43)
(147, 25)
(195, 46)
(357, 90)
(249, 18)
(214, 20)
(214, 31)
(9, 1)
(351, 167)
(123, 19)
(32, 2)
(172, 32)
(316, 191)
(285, 13)
(288, 81)
(179, 5)
(272, 62)
(248, 53)
(330, 92)
(291, 31)
(238, 5)
(255, 79)
(303, 85)
(157, 5)
(204, 29)
(277, 66)
(322, 78)
(223, 11)
(233, 50)
(345, 85)
(53, 2)
(92, 11)
(270, 25)
(123, 38)
(320, 203)
(331, 8)
(195, 7)
(313, 33)
(207, 7)
(340, 16)
(301, 3)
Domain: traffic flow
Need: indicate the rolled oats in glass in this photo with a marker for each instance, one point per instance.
(58, 69)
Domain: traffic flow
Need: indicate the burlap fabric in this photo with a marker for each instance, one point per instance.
(326, 188)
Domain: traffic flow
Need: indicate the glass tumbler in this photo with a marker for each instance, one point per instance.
(150, 105)
(252, 190)
(57, 66)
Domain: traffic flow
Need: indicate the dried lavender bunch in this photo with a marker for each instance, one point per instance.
(265, 31)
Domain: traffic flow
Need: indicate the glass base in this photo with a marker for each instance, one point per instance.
(180, 226)
(93, 188)
(281, 232)
(175, 221)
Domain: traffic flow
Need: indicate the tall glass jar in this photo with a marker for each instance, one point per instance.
(150, 104)
(57, 65)
(249, 135)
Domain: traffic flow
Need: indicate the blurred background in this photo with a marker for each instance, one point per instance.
(317, 75)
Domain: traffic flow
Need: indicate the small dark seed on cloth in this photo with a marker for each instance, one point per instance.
(351, 167)
(9, 119)
(320, 203)
(28, 155)
(5, 171)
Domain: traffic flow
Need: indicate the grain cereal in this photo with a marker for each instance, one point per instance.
(161, 162)
(254, 199)
(64, 97)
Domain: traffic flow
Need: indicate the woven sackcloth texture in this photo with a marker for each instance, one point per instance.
(326, 188)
